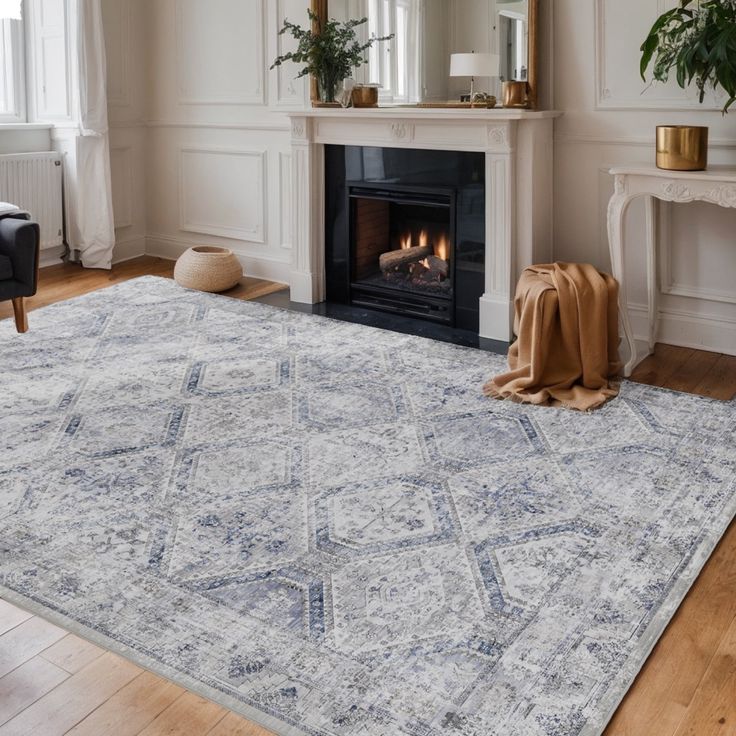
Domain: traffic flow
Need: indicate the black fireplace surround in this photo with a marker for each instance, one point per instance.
(405, 232)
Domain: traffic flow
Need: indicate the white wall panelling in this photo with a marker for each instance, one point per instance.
(122, 185)
(290, 92)
(223, 192)
(609, 121)
(285, 198)
(197, 73)
(117, 21)
(620, 86)
(220, 52)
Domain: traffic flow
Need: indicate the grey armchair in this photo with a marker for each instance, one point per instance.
(19, 256)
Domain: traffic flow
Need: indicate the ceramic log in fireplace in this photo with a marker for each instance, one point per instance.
(401, 247)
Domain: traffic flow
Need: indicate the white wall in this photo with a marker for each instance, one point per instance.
(218, 144)
(610, 120)
(211, 163)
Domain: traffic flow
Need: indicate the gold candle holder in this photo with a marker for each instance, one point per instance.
(516, 94)
(365, 96)
(682, 147)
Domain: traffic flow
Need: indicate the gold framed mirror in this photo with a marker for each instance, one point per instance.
(414, 68)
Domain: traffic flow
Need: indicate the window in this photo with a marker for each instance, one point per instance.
(12, 63)
(396, 65)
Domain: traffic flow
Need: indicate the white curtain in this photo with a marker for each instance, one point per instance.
(92, 224)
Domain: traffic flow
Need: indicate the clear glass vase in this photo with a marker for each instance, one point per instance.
(327, 83)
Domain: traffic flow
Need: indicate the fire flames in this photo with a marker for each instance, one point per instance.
(442, 248)
(426, 262)
(441, 245)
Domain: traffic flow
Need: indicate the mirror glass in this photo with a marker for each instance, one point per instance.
(415, 67)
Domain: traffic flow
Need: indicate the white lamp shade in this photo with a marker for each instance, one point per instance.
(475, 65)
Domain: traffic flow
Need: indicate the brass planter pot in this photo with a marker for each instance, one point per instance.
(682, 148)
(365, 96)
(516, 94)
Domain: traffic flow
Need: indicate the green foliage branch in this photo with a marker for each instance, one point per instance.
(697, 41)
(331, 52)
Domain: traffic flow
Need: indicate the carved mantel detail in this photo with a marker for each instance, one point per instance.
(402, 131)
(298, 127)
(498, 135)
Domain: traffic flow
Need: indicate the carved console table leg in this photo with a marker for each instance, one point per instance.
(716, 186)
(616, 214)
(652, 281)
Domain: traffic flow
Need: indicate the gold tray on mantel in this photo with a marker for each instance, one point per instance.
(427, 106)
(453, 106)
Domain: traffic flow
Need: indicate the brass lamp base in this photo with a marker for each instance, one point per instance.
(682, 148)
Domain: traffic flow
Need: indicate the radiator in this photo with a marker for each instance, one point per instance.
(33, 182)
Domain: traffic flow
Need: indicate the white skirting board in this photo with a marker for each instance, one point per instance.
(260, 268)
(686, 329)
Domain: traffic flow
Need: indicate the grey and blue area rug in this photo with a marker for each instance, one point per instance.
(328, 528)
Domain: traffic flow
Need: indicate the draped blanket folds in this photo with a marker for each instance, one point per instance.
(566, 353)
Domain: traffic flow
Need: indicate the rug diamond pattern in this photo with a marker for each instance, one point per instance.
(328, 528)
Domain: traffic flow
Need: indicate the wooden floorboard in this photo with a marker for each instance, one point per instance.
(68, 280)
(60, 710)
(26, 684)
(54, 683)
(189, 715)
(132, 709)
(72, 653)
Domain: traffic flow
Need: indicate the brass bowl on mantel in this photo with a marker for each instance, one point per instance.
(682, 148)
(516, 95)
(365, 95)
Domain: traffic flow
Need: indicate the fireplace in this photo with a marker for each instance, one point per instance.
(499, 163)
(401, 249)
(407, 234)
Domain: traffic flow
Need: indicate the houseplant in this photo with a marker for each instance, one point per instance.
(697, 39)
(329, 51)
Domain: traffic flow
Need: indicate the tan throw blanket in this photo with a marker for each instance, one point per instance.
(567, 347)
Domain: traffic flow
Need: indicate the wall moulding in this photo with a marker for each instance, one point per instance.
(285, 199)
(209, 189)
(121, 164)
(291, 93)
(668, 283)
(608, 93)
(195, 91)
(631, 141)
(276, 127)
(118, 61)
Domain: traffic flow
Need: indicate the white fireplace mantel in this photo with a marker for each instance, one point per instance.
(518, 147)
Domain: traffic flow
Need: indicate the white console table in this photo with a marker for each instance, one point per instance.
(716, 186)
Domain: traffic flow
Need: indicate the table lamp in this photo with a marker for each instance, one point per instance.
(474, 65)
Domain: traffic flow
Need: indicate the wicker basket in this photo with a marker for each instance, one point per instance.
(207, 268)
